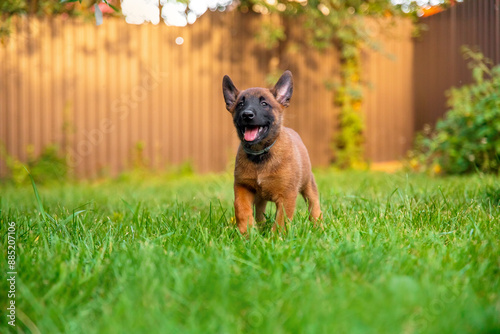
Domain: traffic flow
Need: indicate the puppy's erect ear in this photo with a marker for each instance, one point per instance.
(283, 89)
(230, 92)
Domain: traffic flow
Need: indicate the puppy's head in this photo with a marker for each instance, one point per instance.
(258, 112)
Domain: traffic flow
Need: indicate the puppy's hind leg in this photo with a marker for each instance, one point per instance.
(311, 196)
(285, 208)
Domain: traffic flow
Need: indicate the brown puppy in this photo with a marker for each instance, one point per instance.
(272, 163)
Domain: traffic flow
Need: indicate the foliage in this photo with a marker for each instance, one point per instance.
(398, 254)
(270, 35)
(48, 167)
(94, 2)
(348, 144)
(49, 7)
(467, 139)
(16, 168)
(139, 161)
(417, 6)
(138, 174)
(340, 24)
(10, 8)
(39, 7)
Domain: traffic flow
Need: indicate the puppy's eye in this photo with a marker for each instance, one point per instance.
(241, 103)
(264, 103)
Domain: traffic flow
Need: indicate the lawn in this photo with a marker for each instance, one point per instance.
(398, 254)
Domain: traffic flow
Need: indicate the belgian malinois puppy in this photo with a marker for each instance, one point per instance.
(272, 163)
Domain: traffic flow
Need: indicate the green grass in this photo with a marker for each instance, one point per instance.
(399, 254)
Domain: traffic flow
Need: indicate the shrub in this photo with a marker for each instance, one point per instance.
(467, 139)
(48, 167)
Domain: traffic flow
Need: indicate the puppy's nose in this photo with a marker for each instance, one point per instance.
(248, 115)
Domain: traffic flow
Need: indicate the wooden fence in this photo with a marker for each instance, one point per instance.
(99, 91)
(439, 63)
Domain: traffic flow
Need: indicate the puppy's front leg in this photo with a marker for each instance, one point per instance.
(243, 207)
(284, 207)
(260, 209)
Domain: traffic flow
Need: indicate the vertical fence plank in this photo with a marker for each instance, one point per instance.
(82, 146)
(217, 154)
(48, 127)
(22, 131)
(132, 133)
(165, 97)
(188, 133)
(196, 120)
(152, 65)
(124, 74)
(209, 132)
(115, 109)
(67, 89)
(55, 87)
(497, 29)
(145, 69)
(35, 50)
(4, 66)
(174, 142)
(13, 85)
(100, 128)
(90, 108)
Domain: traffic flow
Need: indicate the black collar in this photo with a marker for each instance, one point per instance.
(265, 150)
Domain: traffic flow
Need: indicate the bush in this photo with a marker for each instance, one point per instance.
(48, 167)
(467, 139)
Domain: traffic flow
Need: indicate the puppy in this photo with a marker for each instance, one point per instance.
(272, 163)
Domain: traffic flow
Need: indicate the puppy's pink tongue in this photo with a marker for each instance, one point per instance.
(251, 133)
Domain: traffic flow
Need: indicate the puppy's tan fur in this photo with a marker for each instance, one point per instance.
(284, 174)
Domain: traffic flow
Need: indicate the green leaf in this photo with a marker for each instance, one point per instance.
(112, 7)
